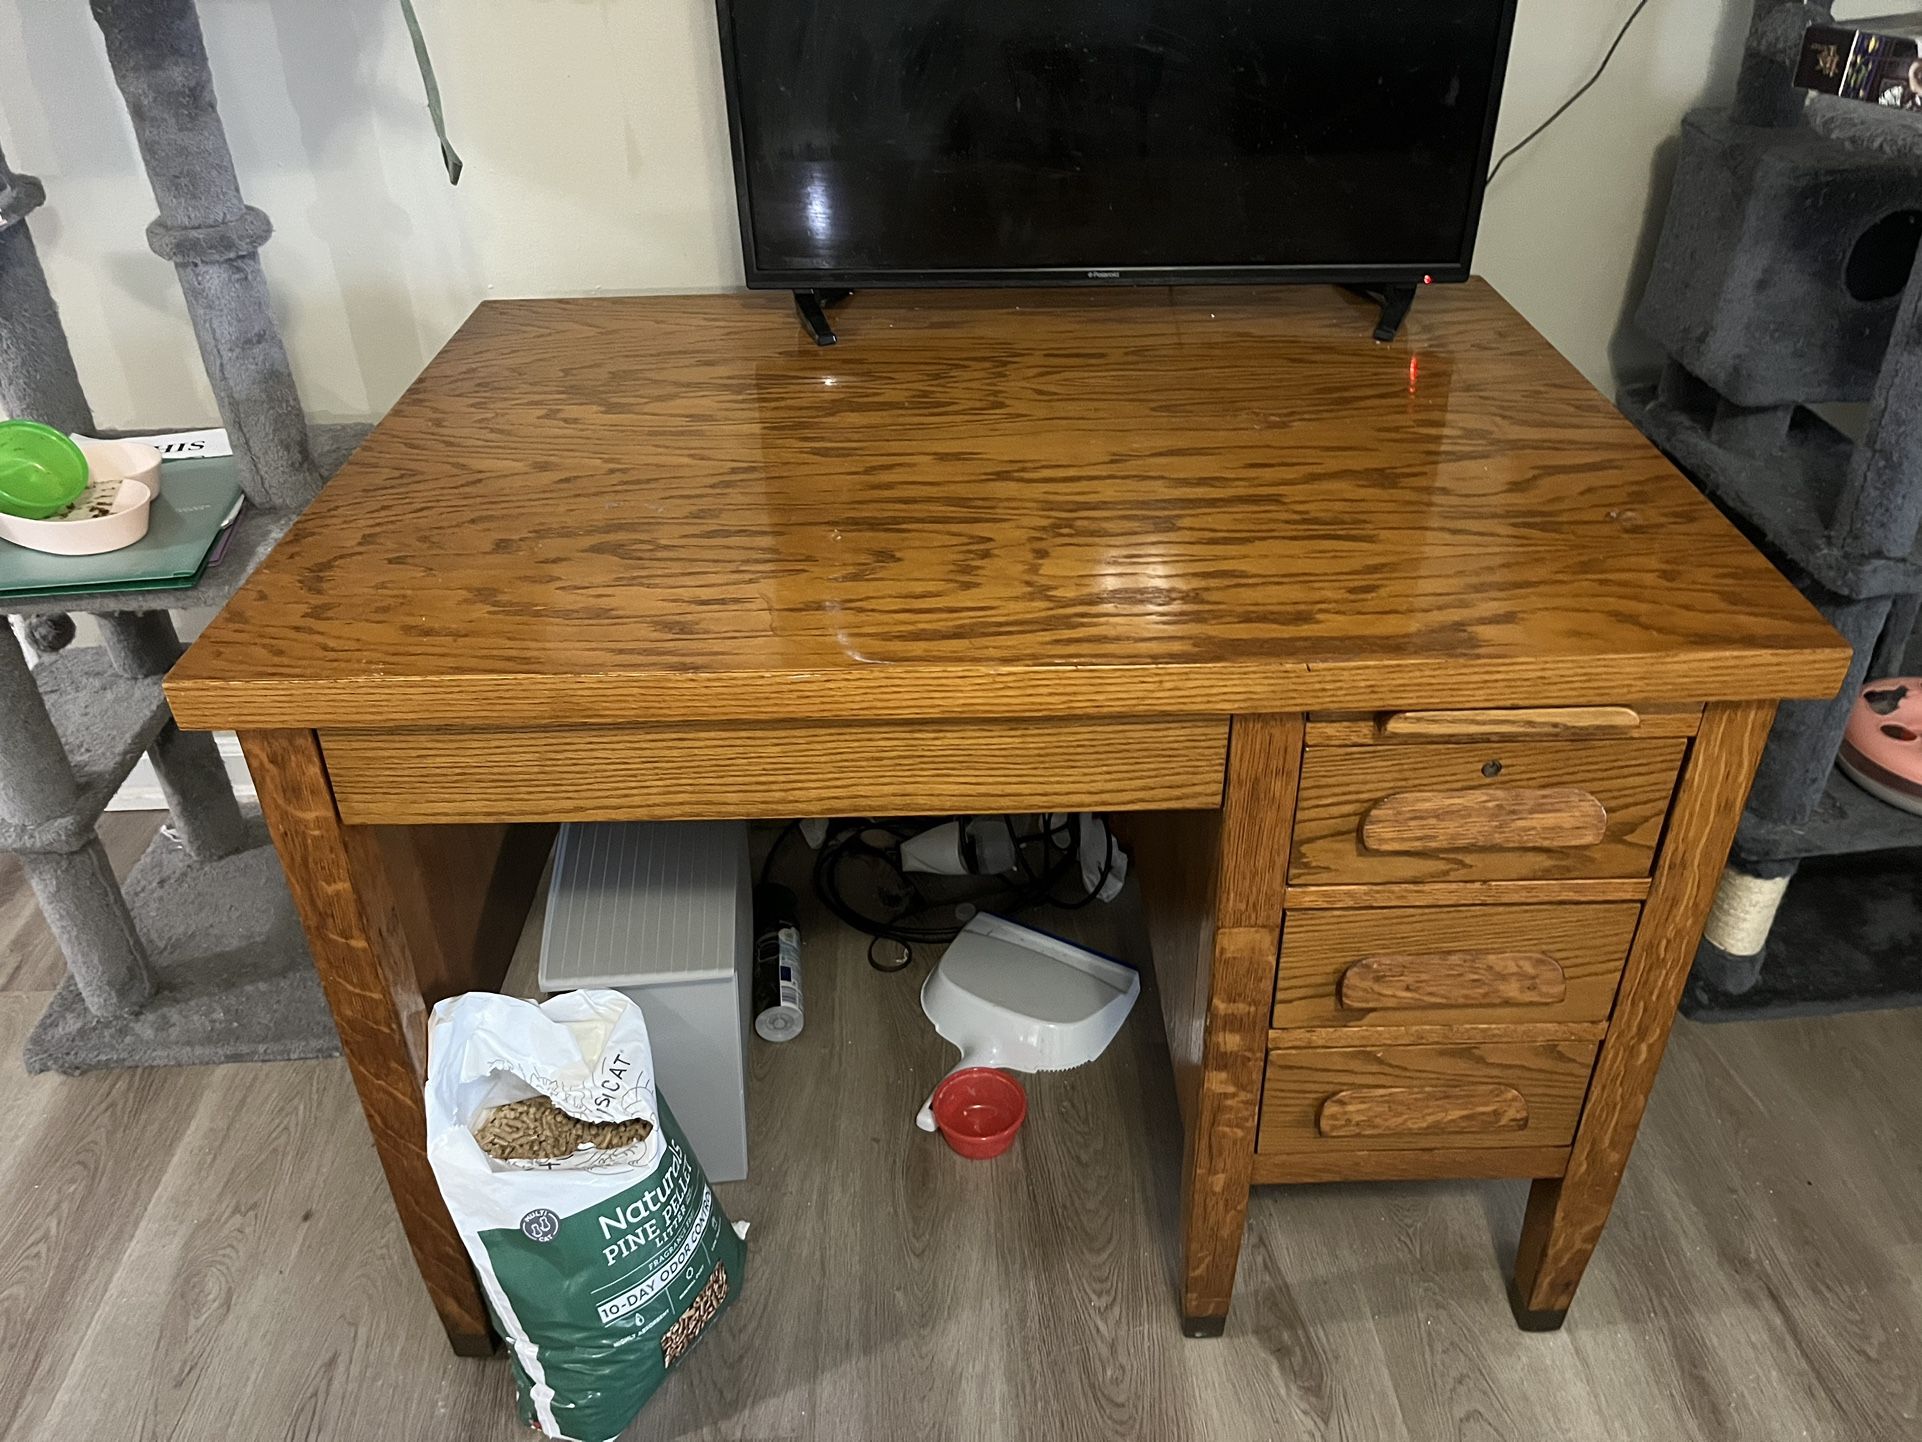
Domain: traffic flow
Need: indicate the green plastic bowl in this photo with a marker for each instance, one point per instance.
(41, 471)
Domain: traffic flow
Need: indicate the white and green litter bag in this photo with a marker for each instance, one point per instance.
(604, 1267)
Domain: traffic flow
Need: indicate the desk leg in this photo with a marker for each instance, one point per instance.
(1566, 1214)
(395, 920)
(1218, 1152)
(1215, 895)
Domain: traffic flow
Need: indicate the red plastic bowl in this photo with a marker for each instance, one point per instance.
(979, 1109)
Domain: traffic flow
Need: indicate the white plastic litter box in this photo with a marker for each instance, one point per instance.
(663, 911)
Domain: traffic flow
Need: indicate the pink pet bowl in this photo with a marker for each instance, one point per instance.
(1882, 747)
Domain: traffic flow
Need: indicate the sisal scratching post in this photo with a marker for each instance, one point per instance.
(1740, 919)
(213, 237)
(1788, 785)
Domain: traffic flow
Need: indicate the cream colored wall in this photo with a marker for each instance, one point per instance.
(597, 160)
(1569, 225)
(596, 148)
(371, 264)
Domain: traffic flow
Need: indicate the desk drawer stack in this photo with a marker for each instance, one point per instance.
(1462, 891)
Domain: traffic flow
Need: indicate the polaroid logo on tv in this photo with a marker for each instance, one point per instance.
(1104, 275)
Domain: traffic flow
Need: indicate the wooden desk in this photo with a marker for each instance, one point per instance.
(1418, 646)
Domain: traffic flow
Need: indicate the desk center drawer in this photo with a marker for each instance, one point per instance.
(691, 771)
(1481, 811)
(1461, 965)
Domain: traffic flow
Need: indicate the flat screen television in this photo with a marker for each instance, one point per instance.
(965, 142)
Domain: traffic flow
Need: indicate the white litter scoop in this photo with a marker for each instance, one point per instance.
(1023, 1000)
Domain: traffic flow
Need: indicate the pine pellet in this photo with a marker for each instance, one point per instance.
(537, 1130)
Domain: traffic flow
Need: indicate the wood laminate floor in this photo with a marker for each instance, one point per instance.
(210, 1254)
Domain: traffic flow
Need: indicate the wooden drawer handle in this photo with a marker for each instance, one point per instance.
(1492, 818)
(1453, 978)
(1388, 1111)
(1542, 721)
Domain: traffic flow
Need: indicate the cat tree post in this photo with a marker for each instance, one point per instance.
(1765, 92)
(37, 376)
(192, 777)
(213, 237)
(38, 380)
(70, 873)
(1879, 512)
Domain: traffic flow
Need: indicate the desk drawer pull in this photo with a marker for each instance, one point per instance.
(1400, 1111)
(1429, 811)
(1453, 978)
(1330, 1099)
(1452, 965)
(1504, 818)
(1546, 722)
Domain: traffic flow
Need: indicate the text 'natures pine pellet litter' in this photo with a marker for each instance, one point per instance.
(602, 1252)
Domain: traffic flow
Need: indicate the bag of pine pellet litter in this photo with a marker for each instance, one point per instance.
(602, 1252)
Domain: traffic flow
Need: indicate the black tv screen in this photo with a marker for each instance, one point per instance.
(1060, 141)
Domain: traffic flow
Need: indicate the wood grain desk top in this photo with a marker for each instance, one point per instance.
(997, 503)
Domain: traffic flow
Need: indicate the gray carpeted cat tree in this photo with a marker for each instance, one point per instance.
(1784, 278)
(37, 374)
(201, 958)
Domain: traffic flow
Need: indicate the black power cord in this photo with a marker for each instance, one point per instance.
(767, 862)
(1562, 109)
(858, 876)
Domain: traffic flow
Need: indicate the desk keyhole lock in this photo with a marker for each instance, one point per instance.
(1491, 769)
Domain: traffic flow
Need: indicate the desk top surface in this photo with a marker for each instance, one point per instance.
(997, 503)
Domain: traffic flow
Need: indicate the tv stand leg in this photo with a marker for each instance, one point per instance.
(812, 307)
(1395, 302)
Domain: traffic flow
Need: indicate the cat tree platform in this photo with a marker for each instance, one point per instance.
(1847, 821)
(254, 535)
(233, 977)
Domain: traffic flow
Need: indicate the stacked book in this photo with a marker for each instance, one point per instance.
(190, 522)
(1878, 61)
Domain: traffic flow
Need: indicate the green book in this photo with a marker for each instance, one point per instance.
(197, 499)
